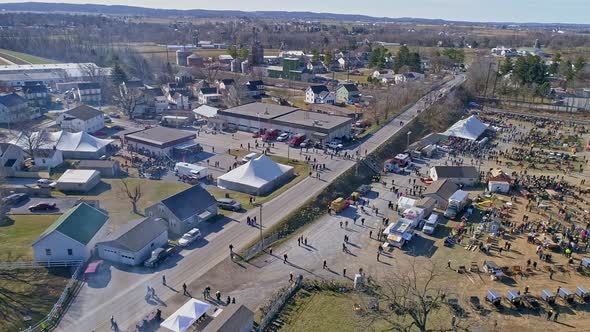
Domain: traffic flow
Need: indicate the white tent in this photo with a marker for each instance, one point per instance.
(470, 128)
(257, 177)
(80, 145)
(404, 203)
(206, 111)
(186, 316)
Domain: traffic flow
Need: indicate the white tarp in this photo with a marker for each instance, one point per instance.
(470, 128)
(186, 316)
(256, 173)
(404, 203)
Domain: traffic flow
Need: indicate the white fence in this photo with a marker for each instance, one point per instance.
(37, 264)
(50, 321)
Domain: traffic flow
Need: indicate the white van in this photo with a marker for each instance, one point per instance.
(430, 225)
(249, 157)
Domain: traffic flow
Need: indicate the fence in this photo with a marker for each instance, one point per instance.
(277, 302)
(258, 247)
(37, 264)
(51, 320)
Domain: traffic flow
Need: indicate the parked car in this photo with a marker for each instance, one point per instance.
(297, 140)
(308, 143)
(43, 206)
(107, 119)
(189, 237)
(270, 135)
(283, 137)
(45, 183)
(335, 145)
(114, 115)
(229, 204)
(158, 256)
(14, 198)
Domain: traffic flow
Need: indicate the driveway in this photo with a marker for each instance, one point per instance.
(62, 204)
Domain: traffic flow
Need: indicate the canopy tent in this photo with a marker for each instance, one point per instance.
(80, 145)
(258, 176)
(186, 316)
(470, 128)
(404, 203)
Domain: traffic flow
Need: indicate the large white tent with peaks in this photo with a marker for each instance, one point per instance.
(257, 177)
(186, 316)
(80, 145)
(470, 128)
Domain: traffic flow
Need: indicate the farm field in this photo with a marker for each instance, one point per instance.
(22, 58)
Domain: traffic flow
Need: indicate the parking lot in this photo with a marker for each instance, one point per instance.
(62, 205)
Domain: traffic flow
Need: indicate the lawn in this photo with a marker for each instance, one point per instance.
(27, 57)
(322, 311)
(17, 234)
(114, 200)
(28, 295)
(301, 172)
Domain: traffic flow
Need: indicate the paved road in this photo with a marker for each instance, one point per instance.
(123, 293)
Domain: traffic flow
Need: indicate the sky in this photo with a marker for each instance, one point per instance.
(542, 11)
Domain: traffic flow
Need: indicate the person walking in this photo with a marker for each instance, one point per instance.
(290, 276)
(555, 316)
(551, 275)
(113, 323)
(233, 300)
(370, 234)
(285, 259)
(378, 254)
(299, 241)
(449, 264)
(184, 292)
(549, 314)
(218, 296)
(344, 272)
(305, 241)
(325, 265)
(164, 280)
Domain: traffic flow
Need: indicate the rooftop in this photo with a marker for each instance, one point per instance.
(11, 100)
(161, 135)
(443, 188)
(96, 163)
(189, 202)
(318, 88)
(136, 234)
(456, 171)
(78, 175)
(84, 112)
(80, 223)
(259, 110)
(314, 119)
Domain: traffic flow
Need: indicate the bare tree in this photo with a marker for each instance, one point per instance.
(236, 94)
(410, 297)
(133, 194)
(128, 100)
(31, 141)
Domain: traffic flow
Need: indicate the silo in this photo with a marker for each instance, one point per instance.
(181, 56)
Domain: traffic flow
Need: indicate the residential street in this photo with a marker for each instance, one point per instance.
(122, 292)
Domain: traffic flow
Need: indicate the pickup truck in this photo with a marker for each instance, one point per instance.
(158, 256)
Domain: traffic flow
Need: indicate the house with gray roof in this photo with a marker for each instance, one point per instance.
(72, 236)
(461, 175)
(441, 191)
(185, 210)
(14, 109)
(82, 118)
(133, 243)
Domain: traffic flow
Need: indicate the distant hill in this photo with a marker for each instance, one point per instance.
(45, 7)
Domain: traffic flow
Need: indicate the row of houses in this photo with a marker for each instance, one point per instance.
(345, 94)
(82, 232)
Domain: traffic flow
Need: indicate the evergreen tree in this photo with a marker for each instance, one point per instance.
(315, 55)
(506, 66)
(118, 74)
(243, 54)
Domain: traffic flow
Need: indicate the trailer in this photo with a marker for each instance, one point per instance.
(191, 170)
(566, 295)
(548, 296)
(494, 298)
(514, 298)
(583, 293)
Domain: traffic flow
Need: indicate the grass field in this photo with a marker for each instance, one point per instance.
(28, 295)
(18, 233)
(159, 51)
(26, 58)
(113, 199)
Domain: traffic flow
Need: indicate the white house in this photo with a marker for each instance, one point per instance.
(208, 96)
(406, 77)
(319, 94)
(498, 181)
(461, 175)
(72, 237)
(11, 159)
(181, 101)
(14, 108)
(82, 118)
(133, 243)
(48, 158)
(88, 92)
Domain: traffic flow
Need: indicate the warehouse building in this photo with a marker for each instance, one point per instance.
(78, 180)
(161, 140)
(255, 116)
